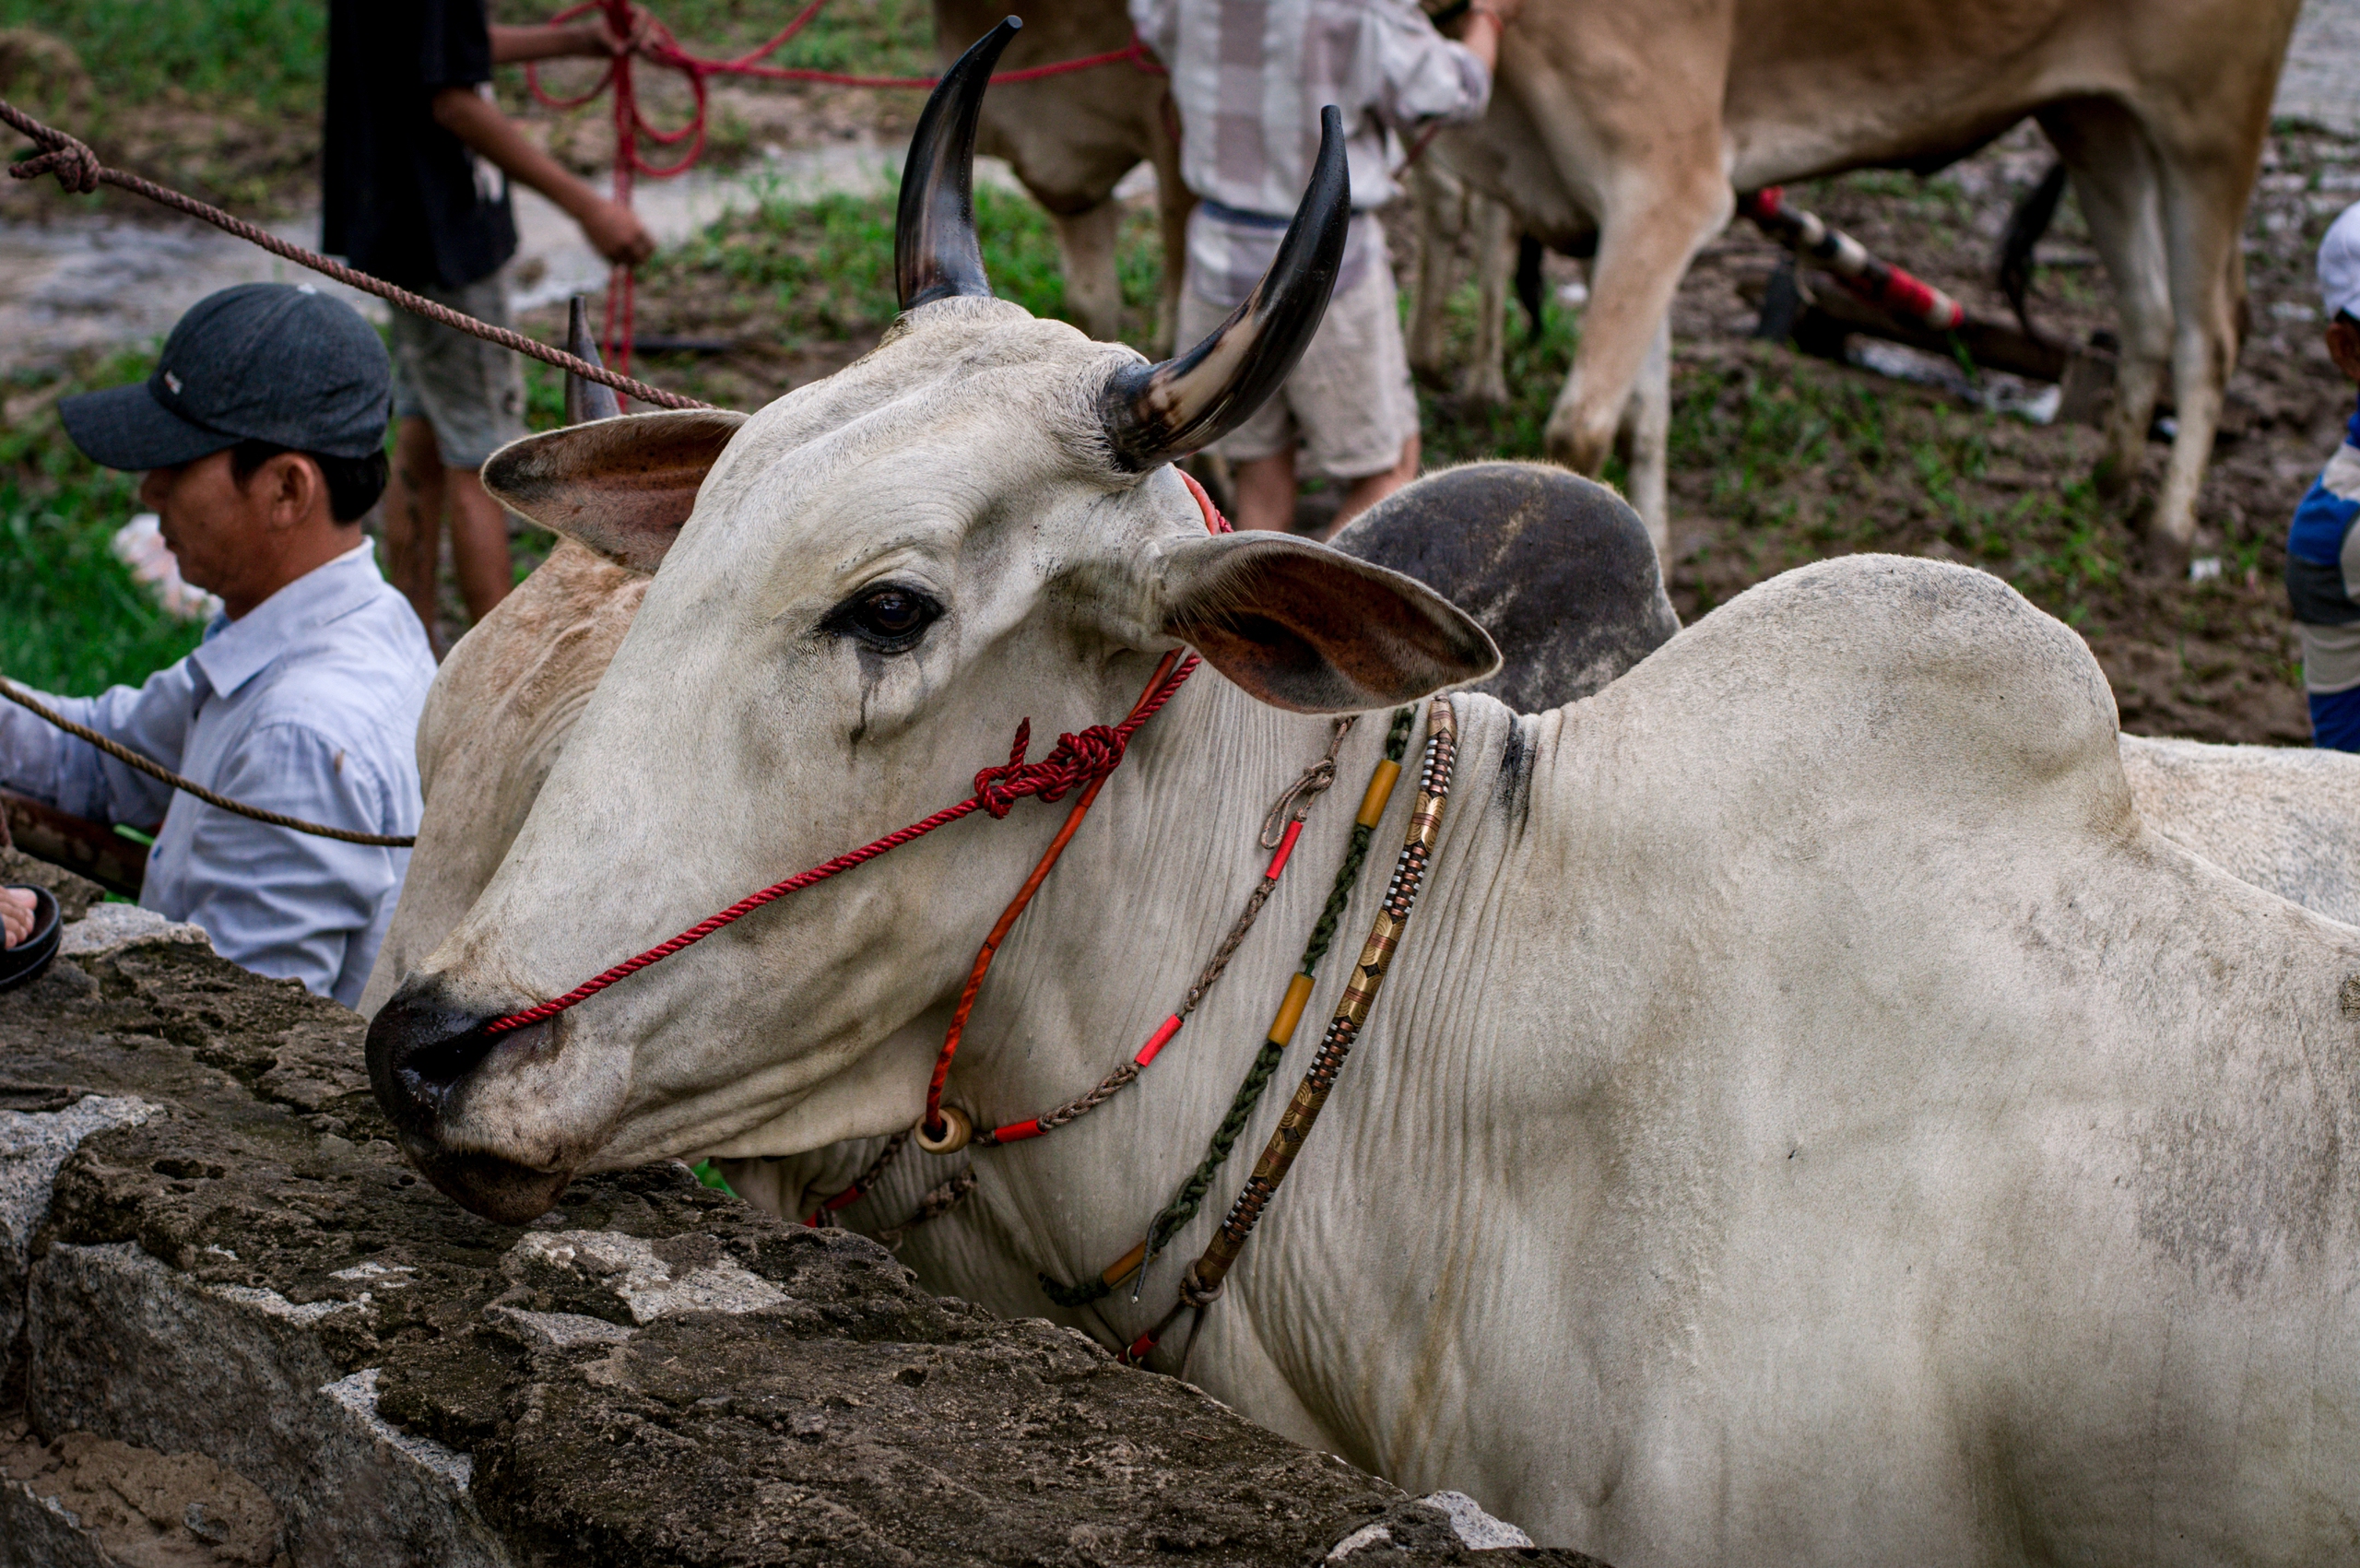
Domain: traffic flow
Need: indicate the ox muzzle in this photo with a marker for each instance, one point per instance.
(424, 1051)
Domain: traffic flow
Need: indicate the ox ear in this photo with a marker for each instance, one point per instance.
(622, 486)
(1310, 628)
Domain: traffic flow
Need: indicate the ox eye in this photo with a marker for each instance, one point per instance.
(889, 618)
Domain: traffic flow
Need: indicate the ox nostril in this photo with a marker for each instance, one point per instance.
(420, 1048)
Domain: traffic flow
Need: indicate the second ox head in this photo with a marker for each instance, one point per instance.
(861, 588)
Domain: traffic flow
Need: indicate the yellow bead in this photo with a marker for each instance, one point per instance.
(1290, 1009)
(1380, 790)
(1122, 1267)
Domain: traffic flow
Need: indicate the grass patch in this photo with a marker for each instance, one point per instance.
(882, 38)
(269, 56)
(807, 274)
(71, 618)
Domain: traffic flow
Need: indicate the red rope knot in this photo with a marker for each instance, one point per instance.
(1082, 758)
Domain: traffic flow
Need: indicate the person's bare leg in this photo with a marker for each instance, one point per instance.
(1266, 492)
(479, 543)
(1367, 491)
(413, 517)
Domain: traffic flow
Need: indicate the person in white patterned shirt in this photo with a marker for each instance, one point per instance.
(1248, 79)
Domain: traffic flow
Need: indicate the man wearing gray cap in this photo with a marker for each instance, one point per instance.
(261, 435)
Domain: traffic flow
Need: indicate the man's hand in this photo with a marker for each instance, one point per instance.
(592, 37)
(598, 36)
(608, 226)
(615, 233)
(17, 908)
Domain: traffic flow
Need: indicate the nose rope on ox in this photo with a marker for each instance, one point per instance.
(1087, 760)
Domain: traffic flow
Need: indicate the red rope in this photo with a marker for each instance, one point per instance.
(1087, 759)
(633, 131)
(931, 1123)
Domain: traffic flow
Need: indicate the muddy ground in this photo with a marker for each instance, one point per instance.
(2216, 661)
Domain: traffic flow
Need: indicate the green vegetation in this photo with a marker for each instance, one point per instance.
(822, 272)
(269, 55)
(883, 38)
(71, 618)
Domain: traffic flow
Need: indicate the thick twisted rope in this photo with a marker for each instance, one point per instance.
(130, 758)
(937, 1202)
(826, 1213)
(78, 169)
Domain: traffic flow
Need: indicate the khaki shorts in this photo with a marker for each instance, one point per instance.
(1347, 403)
(470, 391)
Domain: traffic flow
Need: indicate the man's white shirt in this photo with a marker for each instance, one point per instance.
(307, 706)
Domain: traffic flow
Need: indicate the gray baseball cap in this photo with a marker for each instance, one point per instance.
(279, 363)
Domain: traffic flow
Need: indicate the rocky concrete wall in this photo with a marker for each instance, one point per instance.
(241, 1330)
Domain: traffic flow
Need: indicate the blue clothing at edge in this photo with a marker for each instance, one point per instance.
(2323, 589)
(307, 706)
(2322, 518)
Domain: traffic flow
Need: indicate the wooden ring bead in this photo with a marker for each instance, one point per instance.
(956, 1130)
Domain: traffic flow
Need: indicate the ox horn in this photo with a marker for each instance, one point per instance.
(936, 253)
(1154, 413)
(585, 400)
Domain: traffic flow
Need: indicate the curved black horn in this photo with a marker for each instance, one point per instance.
(585, 400)
(934, 252)
(1154, 413)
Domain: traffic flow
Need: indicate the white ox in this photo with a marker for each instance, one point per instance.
(1638, 122)
(1811, 1118)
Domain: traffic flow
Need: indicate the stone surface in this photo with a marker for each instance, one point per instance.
(111, 928)
(34, 1142)
(242, 1291)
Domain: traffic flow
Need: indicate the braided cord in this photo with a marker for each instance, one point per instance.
(1190, 1196)
(1289, 813)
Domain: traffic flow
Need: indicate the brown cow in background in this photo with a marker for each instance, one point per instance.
(1639, 120)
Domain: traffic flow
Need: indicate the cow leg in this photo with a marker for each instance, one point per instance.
(2205, 200)
(1644, 241)
(1086, 249)
(1174, 203)
(1646, 440)
(1493, 234)
(1438, 202)
(2115, 181)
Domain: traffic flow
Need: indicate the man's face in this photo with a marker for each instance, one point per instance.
(2344, 345)
(214, 525)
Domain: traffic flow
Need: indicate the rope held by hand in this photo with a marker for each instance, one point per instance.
(78, 169)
